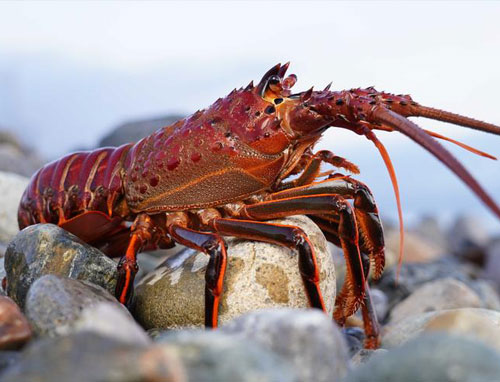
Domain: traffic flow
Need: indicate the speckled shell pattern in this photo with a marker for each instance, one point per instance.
(222, 154)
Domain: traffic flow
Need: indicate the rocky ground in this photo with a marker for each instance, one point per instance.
(59, 320)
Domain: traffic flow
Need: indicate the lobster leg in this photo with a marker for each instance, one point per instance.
(141, 233)
(353, 290)
(288, 236)
(313, 165)
(370, 321)
(215, 247)
(370, 227)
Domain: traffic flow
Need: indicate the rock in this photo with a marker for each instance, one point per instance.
(136, 130)
(436, 357)
(380, 302)
(57, 306)
(14, 328)
(12, 187)
(488, 294)
(417, 249)
(478, 324)
(492, 263)
(91, 357)
(415, 274)
(213, 356)
(17, 158)
(8, 358)
(47, 249)
(468, 238)
(308, 339)
(429, 228)
(258, 276)
(354, 337)
(440, 294)
(363, 355)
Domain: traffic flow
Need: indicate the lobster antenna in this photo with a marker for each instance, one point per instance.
(414, 132)
(394, 180)
(462, 145)
(456, 119)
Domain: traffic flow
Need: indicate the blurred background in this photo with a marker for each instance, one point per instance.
(70, 73)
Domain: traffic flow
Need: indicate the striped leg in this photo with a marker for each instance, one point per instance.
(215, 247)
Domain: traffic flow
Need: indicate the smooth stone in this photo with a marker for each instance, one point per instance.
(8, 358)
(47, 249)
(380, 302)
(354, 338)
(308, 339)
(91, 357)
(12, 187)
(468, 238)
(429, 228)
(135, 130)
(258, 276)
(214, 356)
(18, 160)
(440, 294)
(478, 324)
(436, 357)
(14, 328)
(417, 249)
(57, 306)
(492, 263)
(413, 275)
(363, 355)
(488, 294)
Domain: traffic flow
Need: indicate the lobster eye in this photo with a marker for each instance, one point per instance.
(274, 84)
(273, 80)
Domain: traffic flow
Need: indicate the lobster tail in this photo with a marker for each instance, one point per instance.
(411, 130)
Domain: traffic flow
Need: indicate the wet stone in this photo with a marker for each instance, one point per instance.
(47, 249)
(57, 306)
(213, 356)
(258, 276)
(14, 328)
(308, 339)
(91, 357)
(436, 357)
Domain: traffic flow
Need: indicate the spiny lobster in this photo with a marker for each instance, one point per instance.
(227, 169)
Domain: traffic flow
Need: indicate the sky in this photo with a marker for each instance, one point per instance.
(71, 71)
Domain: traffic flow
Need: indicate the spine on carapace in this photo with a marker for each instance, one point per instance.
(78, 182)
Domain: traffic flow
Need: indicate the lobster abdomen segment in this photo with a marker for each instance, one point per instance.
(77, 183)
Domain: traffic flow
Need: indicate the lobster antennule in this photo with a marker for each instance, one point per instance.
(462, 145)
(456, 119)
(414, 132)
